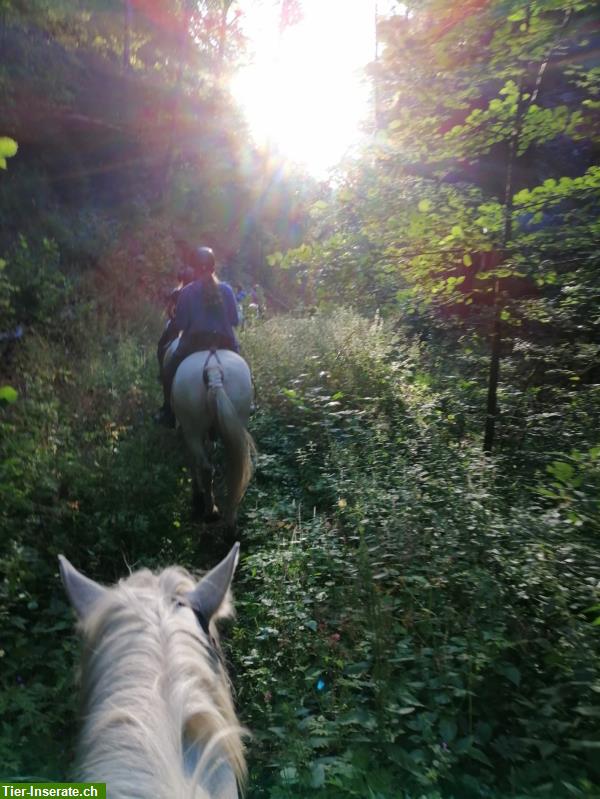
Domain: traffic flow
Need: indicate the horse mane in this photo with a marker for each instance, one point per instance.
(154, 689)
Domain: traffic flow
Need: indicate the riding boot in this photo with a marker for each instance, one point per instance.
(168, 336)
(166, 416)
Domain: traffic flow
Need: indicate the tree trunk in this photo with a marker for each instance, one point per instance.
(175, 103)
(496, 336)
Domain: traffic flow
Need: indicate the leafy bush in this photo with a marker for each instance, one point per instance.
(34, 292)
(413, 625)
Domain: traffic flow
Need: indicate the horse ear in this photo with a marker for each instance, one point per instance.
(83, 592)
(209, 594)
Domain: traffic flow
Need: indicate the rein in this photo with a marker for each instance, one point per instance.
(215, 650)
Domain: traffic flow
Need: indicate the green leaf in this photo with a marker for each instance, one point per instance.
(289, 774)
(2, 163)
(546, 748)
(511, 673)
(424, 206)
(357, 668)
(467, 260)
(464, 744)
(8, 147)
(274, 259)
(457, 231)
(574, 744)
(562, 471)
(477, 754)
(8, 394)
(588, 710)
(448, 730)
(317, 775)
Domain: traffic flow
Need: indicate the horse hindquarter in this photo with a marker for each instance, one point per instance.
(223, 406)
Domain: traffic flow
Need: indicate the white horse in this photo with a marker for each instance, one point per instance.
(158, 717)
(212, 397)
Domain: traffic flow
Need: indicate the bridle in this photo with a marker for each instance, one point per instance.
(214, 648)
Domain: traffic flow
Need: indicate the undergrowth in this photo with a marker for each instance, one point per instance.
(407, 627)
(427, 628)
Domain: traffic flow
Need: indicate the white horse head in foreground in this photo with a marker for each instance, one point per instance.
(212, 397)
(158, 717)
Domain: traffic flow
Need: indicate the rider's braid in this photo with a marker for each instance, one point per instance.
(204, 265)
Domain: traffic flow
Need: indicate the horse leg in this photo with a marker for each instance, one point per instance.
(198, 503)
(203, 499)
(230, 522)
(204, 477)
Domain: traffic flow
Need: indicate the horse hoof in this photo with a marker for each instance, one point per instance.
(212, 516)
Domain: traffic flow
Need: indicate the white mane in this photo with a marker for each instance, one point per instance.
(158, 714)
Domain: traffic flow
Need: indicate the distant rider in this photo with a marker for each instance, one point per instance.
(240, 297)
(205, 315)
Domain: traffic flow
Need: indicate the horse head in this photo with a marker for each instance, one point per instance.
(158, 713)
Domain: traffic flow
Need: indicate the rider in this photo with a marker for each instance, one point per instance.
(184, 276)
(205, 315)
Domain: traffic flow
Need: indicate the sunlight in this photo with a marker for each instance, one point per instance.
(305, 93)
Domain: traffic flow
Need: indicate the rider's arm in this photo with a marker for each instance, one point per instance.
(181, 319)
(172, 303)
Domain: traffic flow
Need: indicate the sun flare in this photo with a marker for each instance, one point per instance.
(305, 92)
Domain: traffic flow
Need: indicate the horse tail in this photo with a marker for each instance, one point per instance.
(238, 443)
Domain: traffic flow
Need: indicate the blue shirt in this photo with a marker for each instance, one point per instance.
(191, 315)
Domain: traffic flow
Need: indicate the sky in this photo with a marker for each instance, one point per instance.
(305, 92)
